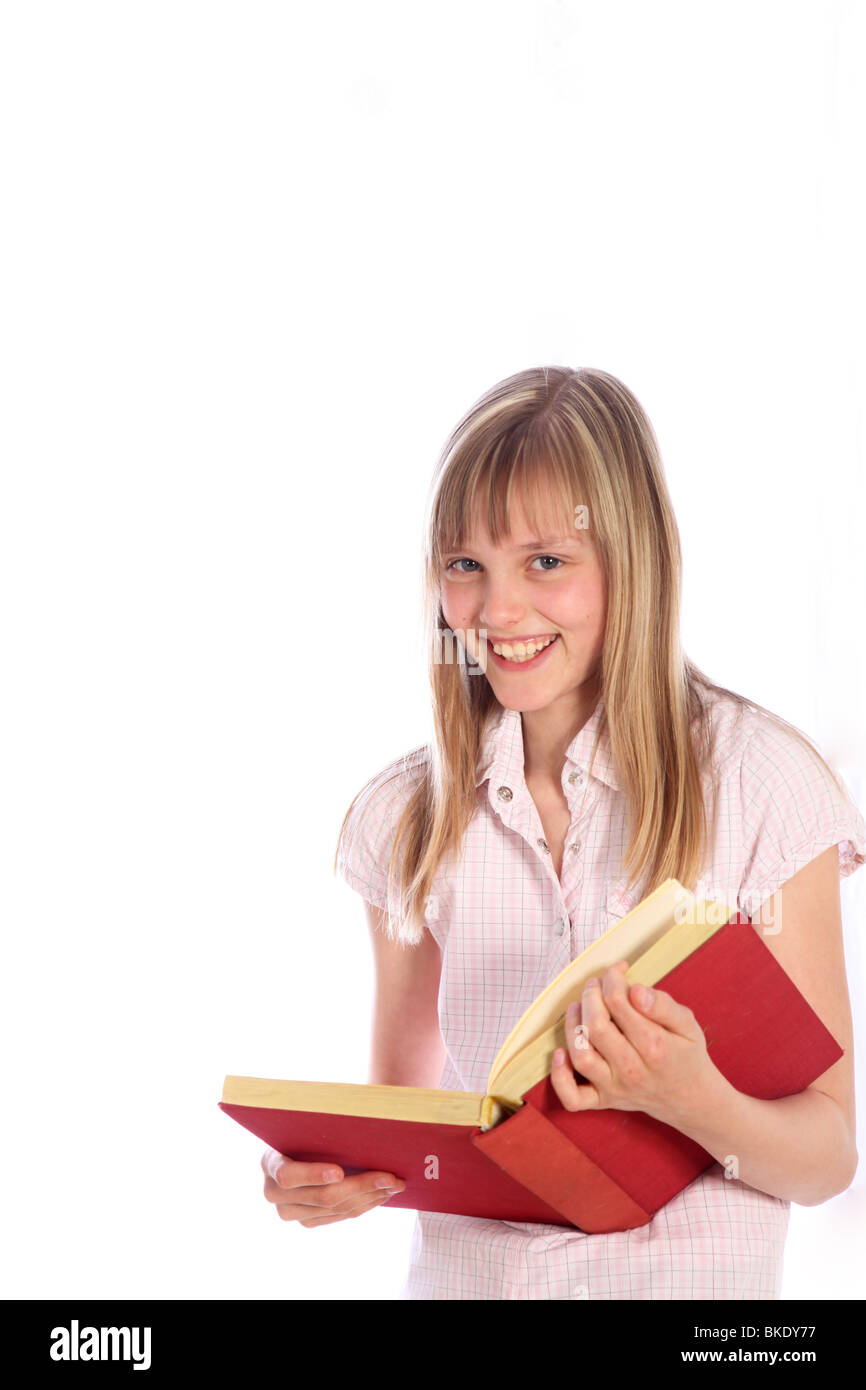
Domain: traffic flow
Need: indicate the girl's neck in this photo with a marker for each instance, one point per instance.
(548, 732)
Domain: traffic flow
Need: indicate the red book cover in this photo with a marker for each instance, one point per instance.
(762, 1035)
(441, 1168)
(603, 1170)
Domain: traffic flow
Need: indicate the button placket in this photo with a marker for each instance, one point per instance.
(505, 794)
(577, 778)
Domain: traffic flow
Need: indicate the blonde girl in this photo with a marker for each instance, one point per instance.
(578, 760)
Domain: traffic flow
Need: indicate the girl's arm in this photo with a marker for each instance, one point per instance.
(653, 1057)
(406, 1046)
(801, 1148)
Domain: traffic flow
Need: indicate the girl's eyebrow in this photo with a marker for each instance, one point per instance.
(549, 541)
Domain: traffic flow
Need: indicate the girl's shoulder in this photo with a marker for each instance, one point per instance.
(760, 746)
(731, 727)
(387, 791)
(781, 802)
(367, 834)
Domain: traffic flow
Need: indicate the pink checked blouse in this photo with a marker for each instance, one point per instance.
(506, 925)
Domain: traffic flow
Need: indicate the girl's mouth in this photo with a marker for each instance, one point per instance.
(522, 663)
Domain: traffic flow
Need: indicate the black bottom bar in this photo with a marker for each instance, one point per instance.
(169, 1337)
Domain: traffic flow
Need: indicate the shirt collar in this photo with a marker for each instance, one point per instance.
(502, 749)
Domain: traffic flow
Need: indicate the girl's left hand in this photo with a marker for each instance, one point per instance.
(633, 1055)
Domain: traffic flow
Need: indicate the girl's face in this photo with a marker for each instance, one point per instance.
(544, 587)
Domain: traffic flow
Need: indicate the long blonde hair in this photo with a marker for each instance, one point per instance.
(556, 437)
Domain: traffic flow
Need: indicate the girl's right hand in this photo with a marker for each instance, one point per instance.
(300, 1192)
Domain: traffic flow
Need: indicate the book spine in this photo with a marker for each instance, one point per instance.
(534, 1152)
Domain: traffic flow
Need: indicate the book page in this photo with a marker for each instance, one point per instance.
(625, 940)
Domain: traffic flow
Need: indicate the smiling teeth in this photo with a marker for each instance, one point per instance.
(521, 651)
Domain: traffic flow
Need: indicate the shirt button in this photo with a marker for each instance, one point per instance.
(576, 776)
(574, 846)
(544, 845)
(505, 793)
(559, 926)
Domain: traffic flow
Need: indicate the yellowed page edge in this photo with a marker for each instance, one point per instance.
(376, 1102)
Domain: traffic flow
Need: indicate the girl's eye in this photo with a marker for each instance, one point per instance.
(466, 561)
(548, 557)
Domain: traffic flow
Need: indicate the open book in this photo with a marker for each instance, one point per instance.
(514, 1153)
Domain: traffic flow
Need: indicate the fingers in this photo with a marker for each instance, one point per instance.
(639, 1015)
(564, 1082)
(660, 1007)
(618, 1027)
(289, 1172)
(594, 1043)
(349, 1214)
(307, 1214)
(332, 1196)
(300, 1193)
(597, 1037)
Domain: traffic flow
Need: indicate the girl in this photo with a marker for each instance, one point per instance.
(579, 760)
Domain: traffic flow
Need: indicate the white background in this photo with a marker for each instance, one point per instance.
(258, 259)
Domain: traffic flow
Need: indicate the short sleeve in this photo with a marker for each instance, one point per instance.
(792, 812)
(364, 851)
